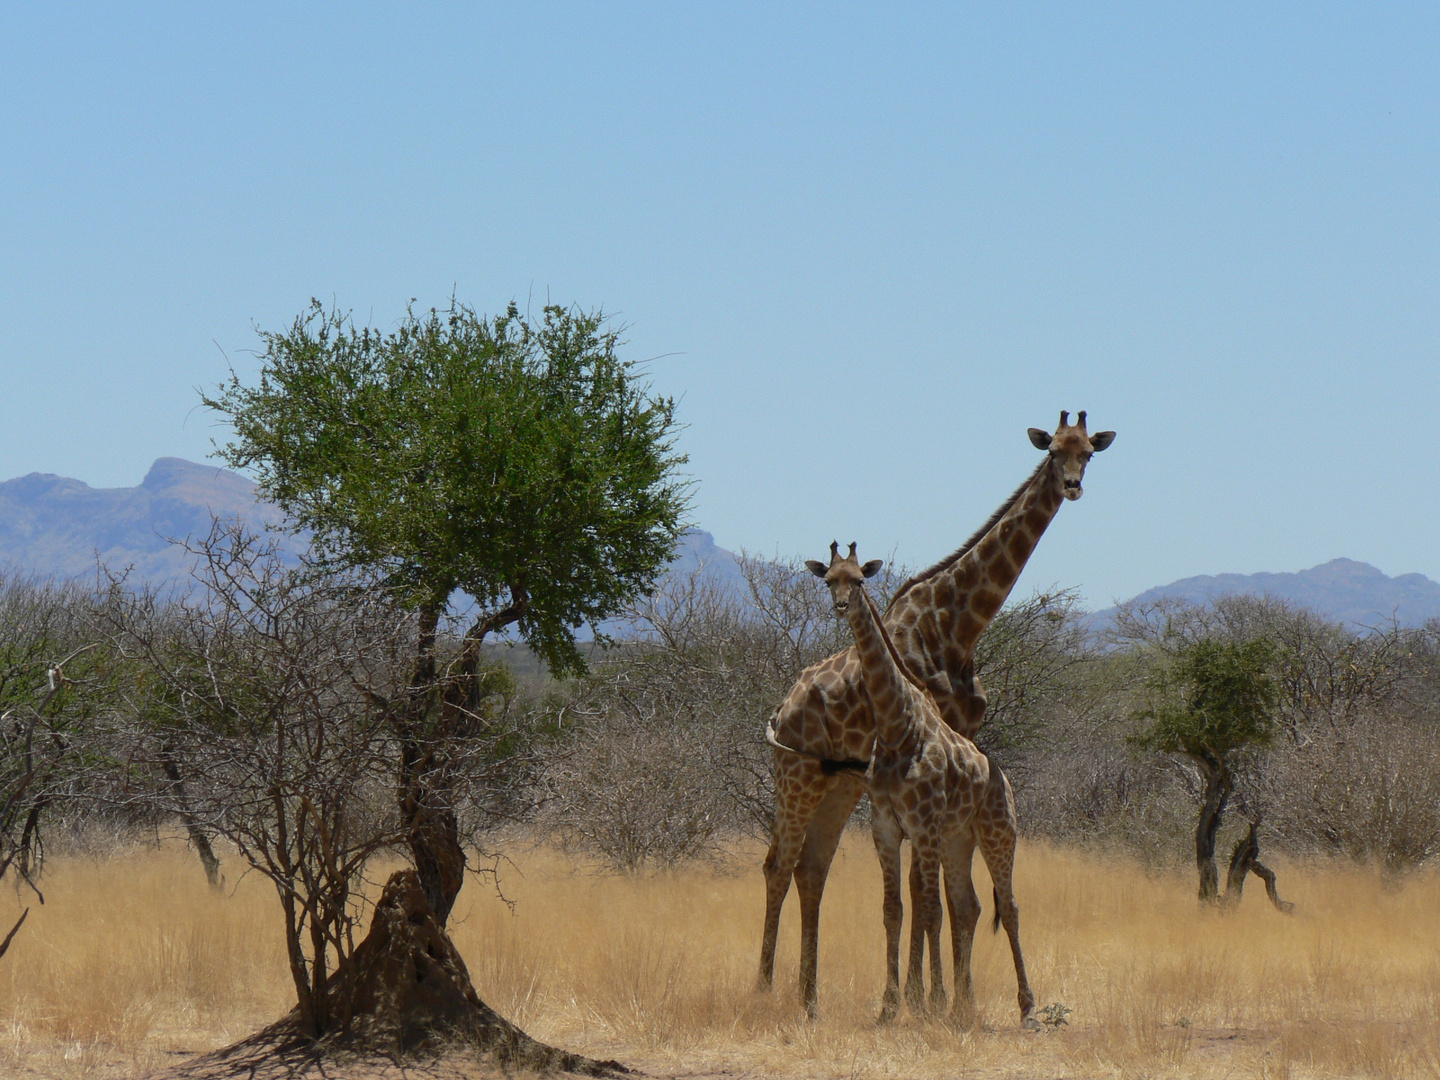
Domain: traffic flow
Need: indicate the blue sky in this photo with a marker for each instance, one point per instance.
(865, 249)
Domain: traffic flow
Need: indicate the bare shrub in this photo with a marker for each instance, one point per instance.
(1087, 787)
(1354, 767)
(670, 760)
(1033, 661)
(46, 662)
(263, 702)
(641, 796)
(1375, 794)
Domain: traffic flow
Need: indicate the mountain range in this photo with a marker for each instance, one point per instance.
(1343, 590)
(55, 526)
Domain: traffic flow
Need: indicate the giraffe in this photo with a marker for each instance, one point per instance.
(822, 732)
(935, 788)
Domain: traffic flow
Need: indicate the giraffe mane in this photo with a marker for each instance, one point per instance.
(905, 669)
(965, 548)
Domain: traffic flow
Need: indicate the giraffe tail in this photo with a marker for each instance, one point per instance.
(829, 766)
(995, 922)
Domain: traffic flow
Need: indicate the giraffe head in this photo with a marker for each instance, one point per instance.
(1070, 449)
(844, 576)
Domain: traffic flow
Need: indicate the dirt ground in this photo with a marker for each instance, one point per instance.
(1196, 1052)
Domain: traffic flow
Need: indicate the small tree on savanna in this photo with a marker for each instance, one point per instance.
(522, 464)
(1212, 702)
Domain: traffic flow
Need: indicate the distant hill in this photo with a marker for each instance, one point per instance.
(53, 525)
(1346, 591)
(698, 551)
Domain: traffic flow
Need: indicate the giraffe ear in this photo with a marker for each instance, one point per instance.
(1101, 439)
(818, 568)
(871, 568)
(1039, 439)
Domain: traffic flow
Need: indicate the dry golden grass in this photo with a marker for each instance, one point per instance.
(133, 960)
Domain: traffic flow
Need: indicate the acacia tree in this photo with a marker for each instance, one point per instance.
(1349, 769)
(524, 465)
(1029, 657)
(1214, 701)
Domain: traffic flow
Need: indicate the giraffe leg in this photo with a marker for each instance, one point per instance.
(885, 831)
(914, 979)
(922, 933)
(925, 914)
(937, 968)
(964, 914)
(915, 976)
(818, 851)
(779, 865)
(799, 789)
(996, 835)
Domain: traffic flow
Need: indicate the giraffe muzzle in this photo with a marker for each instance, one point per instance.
(1073, 490)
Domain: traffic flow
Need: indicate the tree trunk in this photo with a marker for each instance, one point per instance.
(442, 711)
(1245, 859)
(431, 828)
(404, 991)
(5, 945)
(192, 826)
(207, 855)
(1218, 785)
(433, 831)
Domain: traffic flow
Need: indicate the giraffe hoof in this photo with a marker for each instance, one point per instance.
(963, 1014)
(1029, 1023)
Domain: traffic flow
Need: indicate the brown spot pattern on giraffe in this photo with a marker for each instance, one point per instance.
(837, 719)
(927, 784)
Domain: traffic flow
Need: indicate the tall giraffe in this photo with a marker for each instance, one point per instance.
(931, 786)
(824, 730)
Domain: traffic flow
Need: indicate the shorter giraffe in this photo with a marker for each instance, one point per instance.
(933, 786)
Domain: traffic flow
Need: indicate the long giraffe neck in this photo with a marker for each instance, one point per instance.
(974, 582)
(885, 678)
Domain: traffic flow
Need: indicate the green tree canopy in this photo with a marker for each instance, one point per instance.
(1217, 697)
(525, 464)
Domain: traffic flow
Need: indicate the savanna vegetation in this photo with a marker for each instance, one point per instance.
(625, 806)
(267, 791)
(134, 963)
